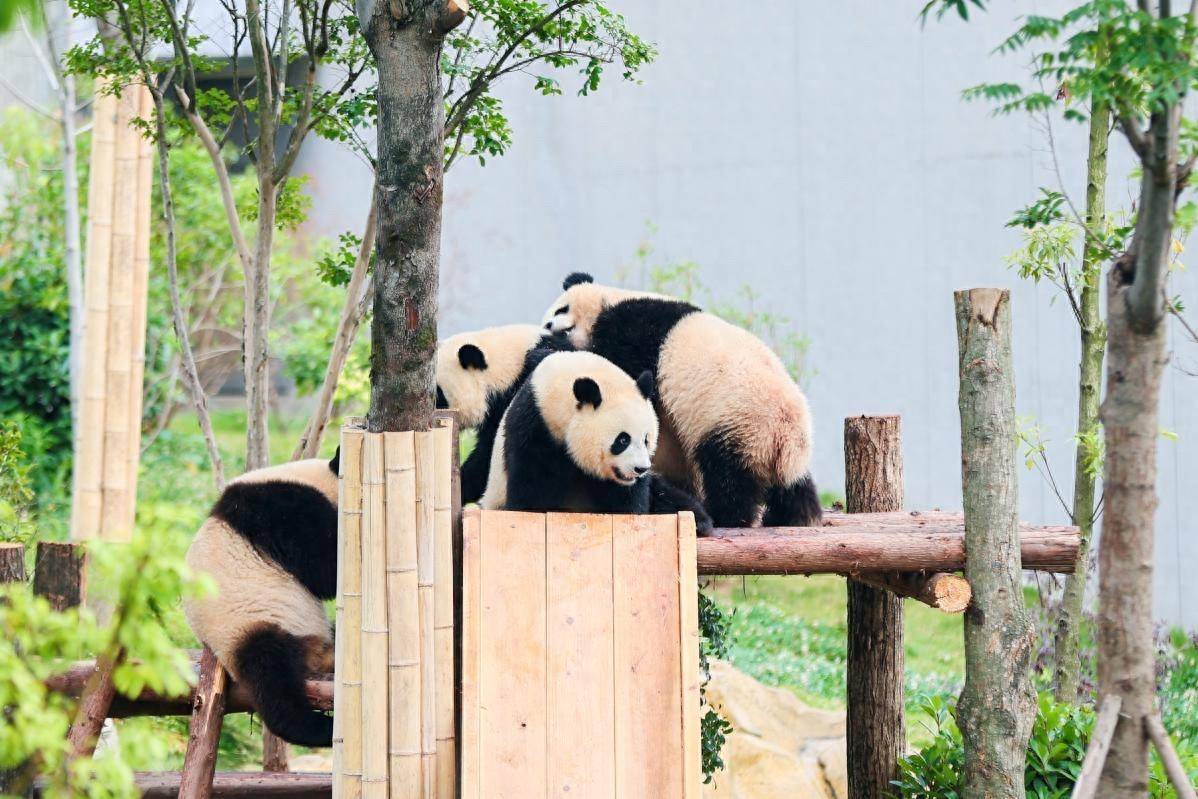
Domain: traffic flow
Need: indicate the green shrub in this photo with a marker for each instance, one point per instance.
(1179, 691)
(1055, 752)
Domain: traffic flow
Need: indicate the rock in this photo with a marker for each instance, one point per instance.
(779, 746)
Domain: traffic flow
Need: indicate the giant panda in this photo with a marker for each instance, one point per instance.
(477, 374)
(741, 426)
(579, 435)
(270, 545)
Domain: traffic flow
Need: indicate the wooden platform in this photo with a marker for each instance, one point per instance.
(580, 656)
(231, 784)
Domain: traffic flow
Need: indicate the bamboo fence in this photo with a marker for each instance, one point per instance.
(393, 726)
(108, 439)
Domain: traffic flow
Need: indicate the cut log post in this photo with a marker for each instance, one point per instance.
(12, 562)
(998, 702)
(207, 716)
(875, 730)
(274, 752)
(889, 545)
(60, 574)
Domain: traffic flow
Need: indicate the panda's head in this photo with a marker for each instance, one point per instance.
(604, 418)
(472, 367)
(573, 313)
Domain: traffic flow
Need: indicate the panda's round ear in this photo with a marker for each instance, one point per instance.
(587, 392)
(646, 384)
(574, 278)
(471, 357)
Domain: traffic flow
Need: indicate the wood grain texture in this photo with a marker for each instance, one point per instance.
(241, 784)
(444, 442)
(469, 750)
(12, 562)
(60, 573)
(513, 761)
(647, 656)
(875, 734)
(688, 604)
(580, 640)
(426, 573)
(207, 717)
(347, 749)
(374, 622)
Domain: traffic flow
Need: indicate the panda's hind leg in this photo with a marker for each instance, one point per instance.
(731, 493)
(795, 505)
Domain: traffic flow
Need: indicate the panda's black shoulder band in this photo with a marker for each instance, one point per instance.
(574, 278)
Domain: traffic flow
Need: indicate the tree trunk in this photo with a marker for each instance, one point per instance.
(257, 332)
(60, 574)
(1067, 676)
(1126, 662)
(998, 702)
(406, 38)
(12, 562)
(876, 737)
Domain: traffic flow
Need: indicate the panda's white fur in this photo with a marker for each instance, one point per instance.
(272, 531)
(722, 393)
(466, 383)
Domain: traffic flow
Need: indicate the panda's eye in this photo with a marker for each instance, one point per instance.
(621, 443)
(646, 439)
(562, 310)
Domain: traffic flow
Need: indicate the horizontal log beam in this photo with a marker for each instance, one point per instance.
(233, 784)
(151, 703)
(861, 543)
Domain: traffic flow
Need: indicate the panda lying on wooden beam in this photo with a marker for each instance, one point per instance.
(735, 427)
(579, 435)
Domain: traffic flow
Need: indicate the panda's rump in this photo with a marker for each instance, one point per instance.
(250, 591)
(716, 379)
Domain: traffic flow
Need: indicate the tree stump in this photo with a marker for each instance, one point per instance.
(59, 574)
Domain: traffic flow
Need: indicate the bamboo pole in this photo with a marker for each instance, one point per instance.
(426, 580)
(374, 622)
(119, 355)
(87, 502)
(347, 699)
(141, 283)
(443, 440)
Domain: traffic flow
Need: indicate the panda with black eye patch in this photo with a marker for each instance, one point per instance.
(478, 373)
(579, 435)
(735, 426)
(270, 546)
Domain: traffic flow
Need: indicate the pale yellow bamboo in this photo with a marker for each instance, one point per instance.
(443, 440)
(426, 578)
(114, 526)
(141, 278)
(87, 501)
(347, 775)
(403, 616)
(374, 622)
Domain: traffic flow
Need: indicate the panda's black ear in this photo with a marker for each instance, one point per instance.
(646, 384)
(587, 392)
(471, 357)
(574, 278)
(335, 463)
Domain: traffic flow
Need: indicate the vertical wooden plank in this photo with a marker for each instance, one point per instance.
(469, 751)
(579, 636)
(347, 779)
(443, 441)
(426, 573)
(688, 604)
(648, 678)
(403, 615)
(512, 680)
(374, 622)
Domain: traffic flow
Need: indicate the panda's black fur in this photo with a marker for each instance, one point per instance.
(542, 476)
(478, 463)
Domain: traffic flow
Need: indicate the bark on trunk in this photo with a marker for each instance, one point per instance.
(59, 574)
(207, 717)
(1126, 658)
(1067, 675)
(876, 736)
(998, 702)
(405, 38)
(257, 332)
(12, 563)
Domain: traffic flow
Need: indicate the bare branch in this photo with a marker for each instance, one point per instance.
(1135, 137)
(26, 100)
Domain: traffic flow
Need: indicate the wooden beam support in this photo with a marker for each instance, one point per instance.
(875, 729)
(873, 546)
(949, 593)
(1100, 742)
(1156, 731)
(238, 784)
(207, 715)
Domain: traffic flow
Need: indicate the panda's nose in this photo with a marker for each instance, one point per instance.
(640, 470)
